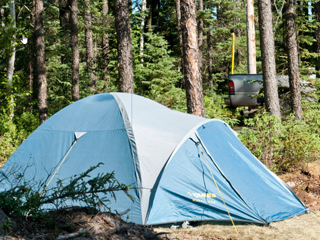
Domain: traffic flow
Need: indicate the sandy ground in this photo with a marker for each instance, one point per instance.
(306, 226)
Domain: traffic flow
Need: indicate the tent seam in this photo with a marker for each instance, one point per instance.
(204, 147)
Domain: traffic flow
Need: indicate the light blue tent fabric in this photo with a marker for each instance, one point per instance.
(170, 159)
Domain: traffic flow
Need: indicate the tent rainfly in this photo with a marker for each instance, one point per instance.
(172, 160)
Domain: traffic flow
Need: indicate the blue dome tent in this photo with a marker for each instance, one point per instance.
(178, 165)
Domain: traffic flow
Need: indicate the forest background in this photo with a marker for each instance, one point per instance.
(283, 145)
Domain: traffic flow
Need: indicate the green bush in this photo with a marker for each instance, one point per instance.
(27, 198)
(282, 146)
(215, 108)
(14, 132)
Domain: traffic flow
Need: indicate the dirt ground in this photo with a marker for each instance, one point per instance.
(82, 224)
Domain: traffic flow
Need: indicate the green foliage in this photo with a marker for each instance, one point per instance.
(14, 132)
(23, 199)
(214, 107)
(282, 145)
(156, 73)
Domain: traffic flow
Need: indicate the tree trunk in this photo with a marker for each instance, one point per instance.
(31, 58)
(210, 60)
(149, 18)
(105, 41)
(64, 12)
(268, 58)
(251, 38)
(317, 36)
(40, 62)
(200, 35)
(75, 50)
(124, 46)
(89, 45)
(2, 15)
(12, 58)
(178, 9)
(191, 66)
(64, 15)
(143, 9)
(293, 61)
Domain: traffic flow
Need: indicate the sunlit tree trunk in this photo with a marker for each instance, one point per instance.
(12, 57)
(143, 9)
(75, 49)
(293, 58)
(268, 58)
(192, 74)
(2, 15)
(40, 62)
(89, 45)
(122, 19)
(251, 39)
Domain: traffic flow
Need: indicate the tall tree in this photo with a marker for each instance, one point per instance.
(124, 47)
(251, 39)
(75, 49)
(268, 58)
(317, 36)
(293, 61)
(2, 15)
(200, 34)
(210, 49)
(40, 62)
(12, 56)
(105, 40)
(192, 74)
(89, 45)
(64, 15)
(143, 9)
(178, 10)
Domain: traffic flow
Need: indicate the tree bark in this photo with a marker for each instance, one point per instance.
(178, 10)
(210, 49)
(317, 36)
(192, 74)
(75, 50)
(12, 58)
(293, 58)
(105, 41)
(149, 18)
(64, 15)
(40, 62)
(64, 12)
(200, 35)
(251, 38)
(89, 45)
(268, 58)
(143, 9)
(2, 15)
(122, 20)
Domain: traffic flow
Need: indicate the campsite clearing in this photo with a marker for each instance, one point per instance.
(306, 226)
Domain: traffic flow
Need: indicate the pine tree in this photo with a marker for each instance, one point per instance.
(75, 49)
(40, 62)
(268, 60)
(89, 45)
(292, 50)
(122, 19)
(192, 74)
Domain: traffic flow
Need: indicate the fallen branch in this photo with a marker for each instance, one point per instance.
(75, 234)
(123, 213)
